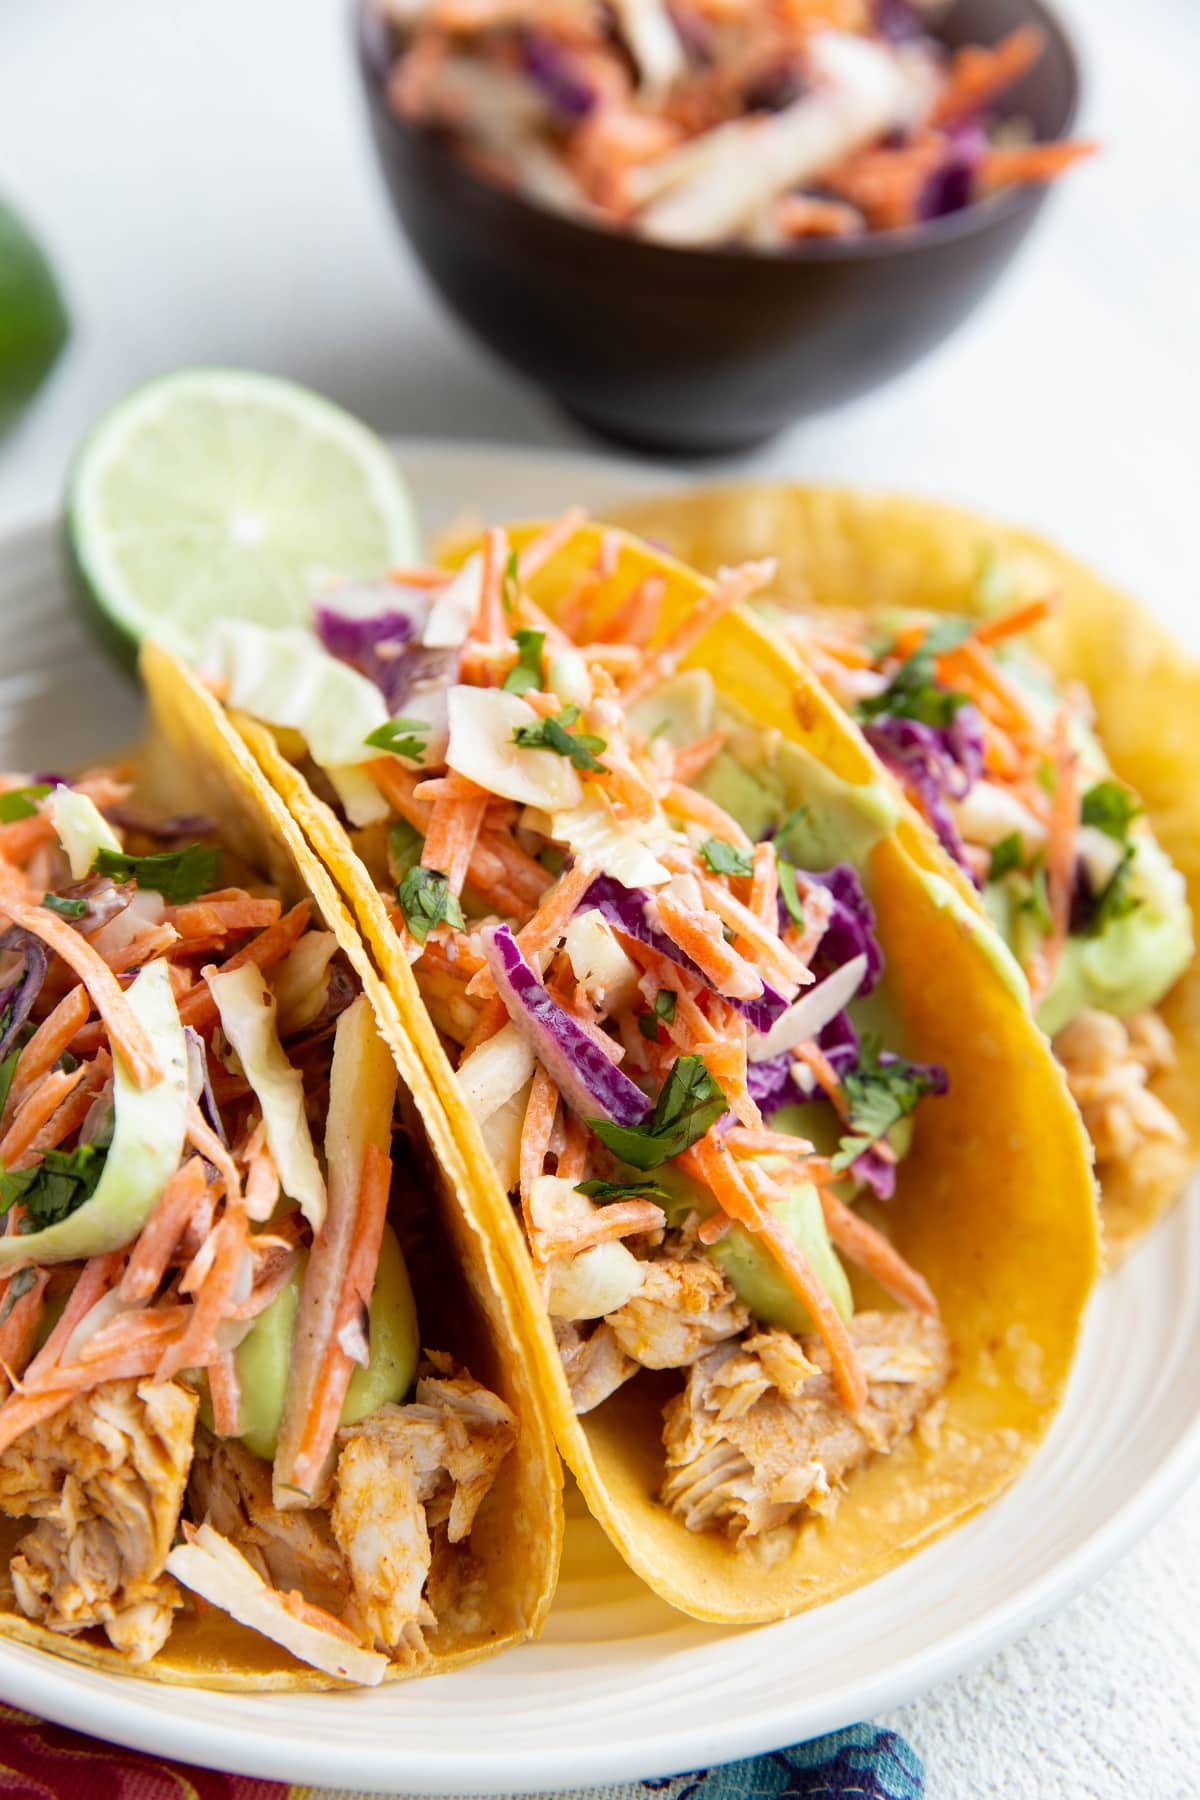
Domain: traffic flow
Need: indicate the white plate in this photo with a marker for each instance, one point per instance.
(620, 1686)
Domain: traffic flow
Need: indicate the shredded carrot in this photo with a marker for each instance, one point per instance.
(1060, 855)
(1020, 164)
(772, 958)
(547, 544)
(690, 761)
(493, 1016)
(333, 1282)
(95, 1279)
(869, 1250)
(489, 623)
(554, 911)
(34, 1113)
(162, 1231)
(764, 887)
(766, 1143)
(126, 1031)
(19, 1327)
(1015, 621)
(573, 1157)
(825, 1075)
(698, 934)
(153, 942)
(617, 1219)
(19, 838)
(47, 1044)
(454, 826)
(196, 1346)
(540, 1111)
(687, 803)
(225, 1390)
(420, 577)
(203, 1138)
(980, 73)
(198, 1008)
(732, 586)
(262, 1177)
(635, 620)
(220, 914)
(67, 1118)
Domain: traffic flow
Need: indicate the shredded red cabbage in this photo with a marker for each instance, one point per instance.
(590, 1083)
(935, 764)
(851, 928)
(189, 826)
(557, 77)
(951, 186)
(625, 908)
(374, 646)
(20, 987)
(770, 1084)
(838, 1043)
(199, 1083)
(876, 1171)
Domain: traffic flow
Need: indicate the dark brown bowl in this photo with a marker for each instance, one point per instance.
(693, 350)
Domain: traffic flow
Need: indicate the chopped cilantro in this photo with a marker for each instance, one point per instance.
(664, 1010)
(724, 858)
(1007, 855)
(66, 909)
(58, 1185)
(552, 734)
(526, 672)
(787, 887)
(405, 846)
(402, 737)
(690, 1103)
(20, 1284)
(178, 875)
(914, 691)
(621, 1190)
(8, 1068)
(1111, 808)
(1114, 901)
(510, 587)
(426, 900)
(21, 802)
(879, 1094)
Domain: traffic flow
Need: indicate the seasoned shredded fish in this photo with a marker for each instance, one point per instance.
(401, 1474)
(759, 1430)
(684, 1306)
(1108, 1062)
(594, 1366)
(105, 1479)
(230, 1489)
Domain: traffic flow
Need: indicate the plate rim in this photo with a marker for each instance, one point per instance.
(123, 1711)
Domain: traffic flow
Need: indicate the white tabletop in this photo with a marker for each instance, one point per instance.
(201, 177)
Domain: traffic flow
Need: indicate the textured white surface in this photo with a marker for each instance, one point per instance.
(200, 175)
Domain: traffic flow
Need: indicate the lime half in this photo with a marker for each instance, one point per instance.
(215, 494)
(33, 319)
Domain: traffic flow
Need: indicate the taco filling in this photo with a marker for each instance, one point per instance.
(1007, 769)
(655, 970)
(213, 1393)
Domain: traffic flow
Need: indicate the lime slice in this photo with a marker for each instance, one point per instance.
(33, 319)
(215, 494)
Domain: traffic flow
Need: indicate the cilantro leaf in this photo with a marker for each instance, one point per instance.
(526, 673)
(621, 1190)
(690, 1103)
(401, 737)
(21, 803)
(510, 587)
(724, 858)
(405, 847)
(914, 691)
(880, 1092)
(1114, 901)
(1007, 855)
(178, 875)
(1111, 808)
(58, 1186)
(787, 888)
(552, 734)
(426, 900)
(66, 909)
(8, 1068)
(664, 1009)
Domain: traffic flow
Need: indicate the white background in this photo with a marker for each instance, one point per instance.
(200, 174)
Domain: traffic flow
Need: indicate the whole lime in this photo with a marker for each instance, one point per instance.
(33, 317)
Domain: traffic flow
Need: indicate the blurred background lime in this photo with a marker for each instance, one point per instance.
(33, 316)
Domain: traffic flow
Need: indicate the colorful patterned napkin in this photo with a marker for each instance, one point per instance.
(46, 1762)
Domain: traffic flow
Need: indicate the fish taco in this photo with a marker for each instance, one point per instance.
(263, 1423)
(792, 1192)
(1041, 723)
